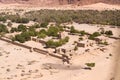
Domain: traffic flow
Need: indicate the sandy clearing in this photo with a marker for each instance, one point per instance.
(20, 57)
(22, 8)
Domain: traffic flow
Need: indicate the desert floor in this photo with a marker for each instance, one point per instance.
(17, 63)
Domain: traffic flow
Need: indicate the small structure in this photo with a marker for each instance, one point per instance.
(100, 38)
(37, 40)
(85, 43)
(61, 35)
(67, 50)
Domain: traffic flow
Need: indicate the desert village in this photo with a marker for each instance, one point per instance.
(72, 51)
(69, 54)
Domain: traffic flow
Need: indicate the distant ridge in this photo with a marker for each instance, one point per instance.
(59, 2)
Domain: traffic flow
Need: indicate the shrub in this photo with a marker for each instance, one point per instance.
(66, 39)
(3, 28)
(54, 44)
(26, 36)
(73, 30)
(42, 35)
(44, 24)
(36, 25)
(109, 33)
(49, 43)
(103, 43)
(13, 30)
(91, 37)
(95, 34)
(60, 28)
(80, 38)
(19, 38)
(43, 31)
(32, 33)
(2, 18)
(13, 39)
(21, 20)
(76, 48)
(22, 28)
(90, 64)
(53, 31)
(9, 24)
(82, 33)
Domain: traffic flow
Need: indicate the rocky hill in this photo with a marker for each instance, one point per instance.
(60, 2)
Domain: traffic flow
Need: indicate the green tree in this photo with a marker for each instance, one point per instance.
(109, 32)
(73, 30)
(53, 31)
(42, 35)
(13, 30)
(22, 28)
(2, 18)
(43, 31)
(82, 33)
(26, 36)
(3, 28)
(36, 25)
(50, 43)
(44, 24)
(19, 38)
(95, 34)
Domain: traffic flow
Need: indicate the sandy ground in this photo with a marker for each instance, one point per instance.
(17, 63)
(21, 8)
(91, 28)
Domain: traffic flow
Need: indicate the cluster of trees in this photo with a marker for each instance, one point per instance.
(14, 18)
(20, 28)
(20, 20)
(107, 17)
(25, 36)
(54, 44)
(26, 33)
(109, 33)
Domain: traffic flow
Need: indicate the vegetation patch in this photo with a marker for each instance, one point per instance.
(90, 64)
(54, 44)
